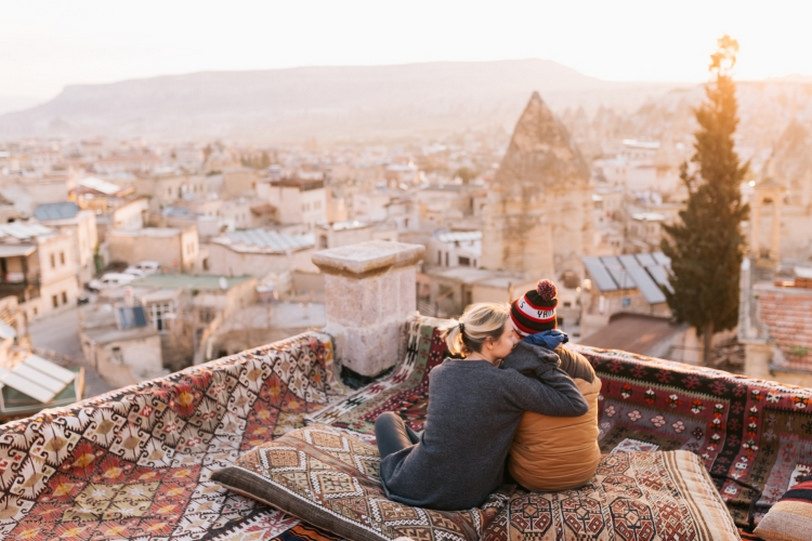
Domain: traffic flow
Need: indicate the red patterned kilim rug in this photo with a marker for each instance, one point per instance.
(405, 390)
(753, 435)
(135, 463)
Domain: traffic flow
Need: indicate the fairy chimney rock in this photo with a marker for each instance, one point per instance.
(538, 219)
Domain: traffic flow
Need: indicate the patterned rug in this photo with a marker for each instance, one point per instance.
(641, 496)
(404, 390)
(135, 463)
(753, 435)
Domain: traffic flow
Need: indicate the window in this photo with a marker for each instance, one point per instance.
(116, 356)
(463, 261)
(64, 297)
(61, 258)
(53, 261)
(55, 301)
(158, 317)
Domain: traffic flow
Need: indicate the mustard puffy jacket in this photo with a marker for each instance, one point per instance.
(559, 453)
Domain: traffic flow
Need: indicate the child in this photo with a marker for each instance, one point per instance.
(552, 453)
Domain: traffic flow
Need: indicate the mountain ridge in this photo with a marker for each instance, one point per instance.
(327, 102)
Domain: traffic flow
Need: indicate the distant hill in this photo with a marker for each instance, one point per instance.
(325, 103)
(17, 103)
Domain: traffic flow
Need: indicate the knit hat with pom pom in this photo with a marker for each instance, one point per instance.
(535, 310)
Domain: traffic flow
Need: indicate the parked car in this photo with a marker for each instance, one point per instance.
(109, 280)
(147, 267)
(135, 271)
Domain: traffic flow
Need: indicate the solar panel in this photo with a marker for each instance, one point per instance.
(650, 290)
(660, 275)
(130, 317)
(628, 261)
(54, 370)
(646, 260)
(661, 258)
(600, 276)
(619, 274)
(37, 378)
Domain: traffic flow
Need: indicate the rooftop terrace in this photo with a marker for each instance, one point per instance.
(137, 463)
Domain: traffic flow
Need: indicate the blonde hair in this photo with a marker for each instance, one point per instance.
(475, 325)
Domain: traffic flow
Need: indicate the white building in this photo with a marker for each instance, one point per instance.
(455, 249)
(259, 252)
(38, 265)
(298, 201)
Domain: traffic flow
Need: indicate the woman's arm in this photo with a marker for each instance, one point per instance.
(551, 391)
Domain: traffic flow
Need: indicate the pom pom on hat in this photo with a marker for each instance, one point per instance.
(535, 310)
(547, 292)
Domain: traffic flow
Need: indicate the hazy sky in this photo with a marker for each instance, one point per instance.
(47, 44)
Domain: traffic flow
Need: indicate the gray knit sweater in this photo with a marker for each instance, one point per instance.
(474, 409)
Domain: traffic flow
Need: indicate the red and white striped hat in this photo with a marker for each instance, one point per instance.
(535, 310)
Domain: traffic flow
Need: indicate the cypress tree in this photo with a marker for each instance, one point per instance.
(706, 245)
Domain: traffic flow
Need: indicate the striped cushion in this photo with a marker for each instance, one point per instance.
(790, 519)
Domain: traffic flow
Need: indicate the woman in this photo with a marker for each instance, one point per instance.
(474, 409)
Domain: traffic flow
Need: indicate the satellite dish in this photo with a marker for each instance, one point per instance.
(223, 283)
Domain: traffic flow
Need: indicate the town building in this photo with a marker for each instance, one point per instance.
(81, 224)
(258, 252)
(99, 195)
(38, 265)
(166, 190)
(455, 249)
(352, 232)
(177, 250)
(298, 200)
(161, 323)
(627, 283)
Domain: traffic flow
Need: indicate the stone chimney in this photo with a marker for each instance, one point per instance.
(369, 290)
(539, 214)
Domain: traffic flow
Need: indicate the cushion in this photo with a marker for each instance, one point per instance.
(329, 478)
(660, 495)
(790, 518)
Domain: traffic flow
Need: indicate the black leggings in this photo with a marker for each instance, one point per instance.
(392, 434)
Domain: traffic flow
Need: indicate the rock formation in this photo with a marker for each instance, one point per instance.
(539, 217)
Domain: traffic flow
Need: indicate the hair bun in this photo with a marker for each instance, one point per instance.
(547, 290)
